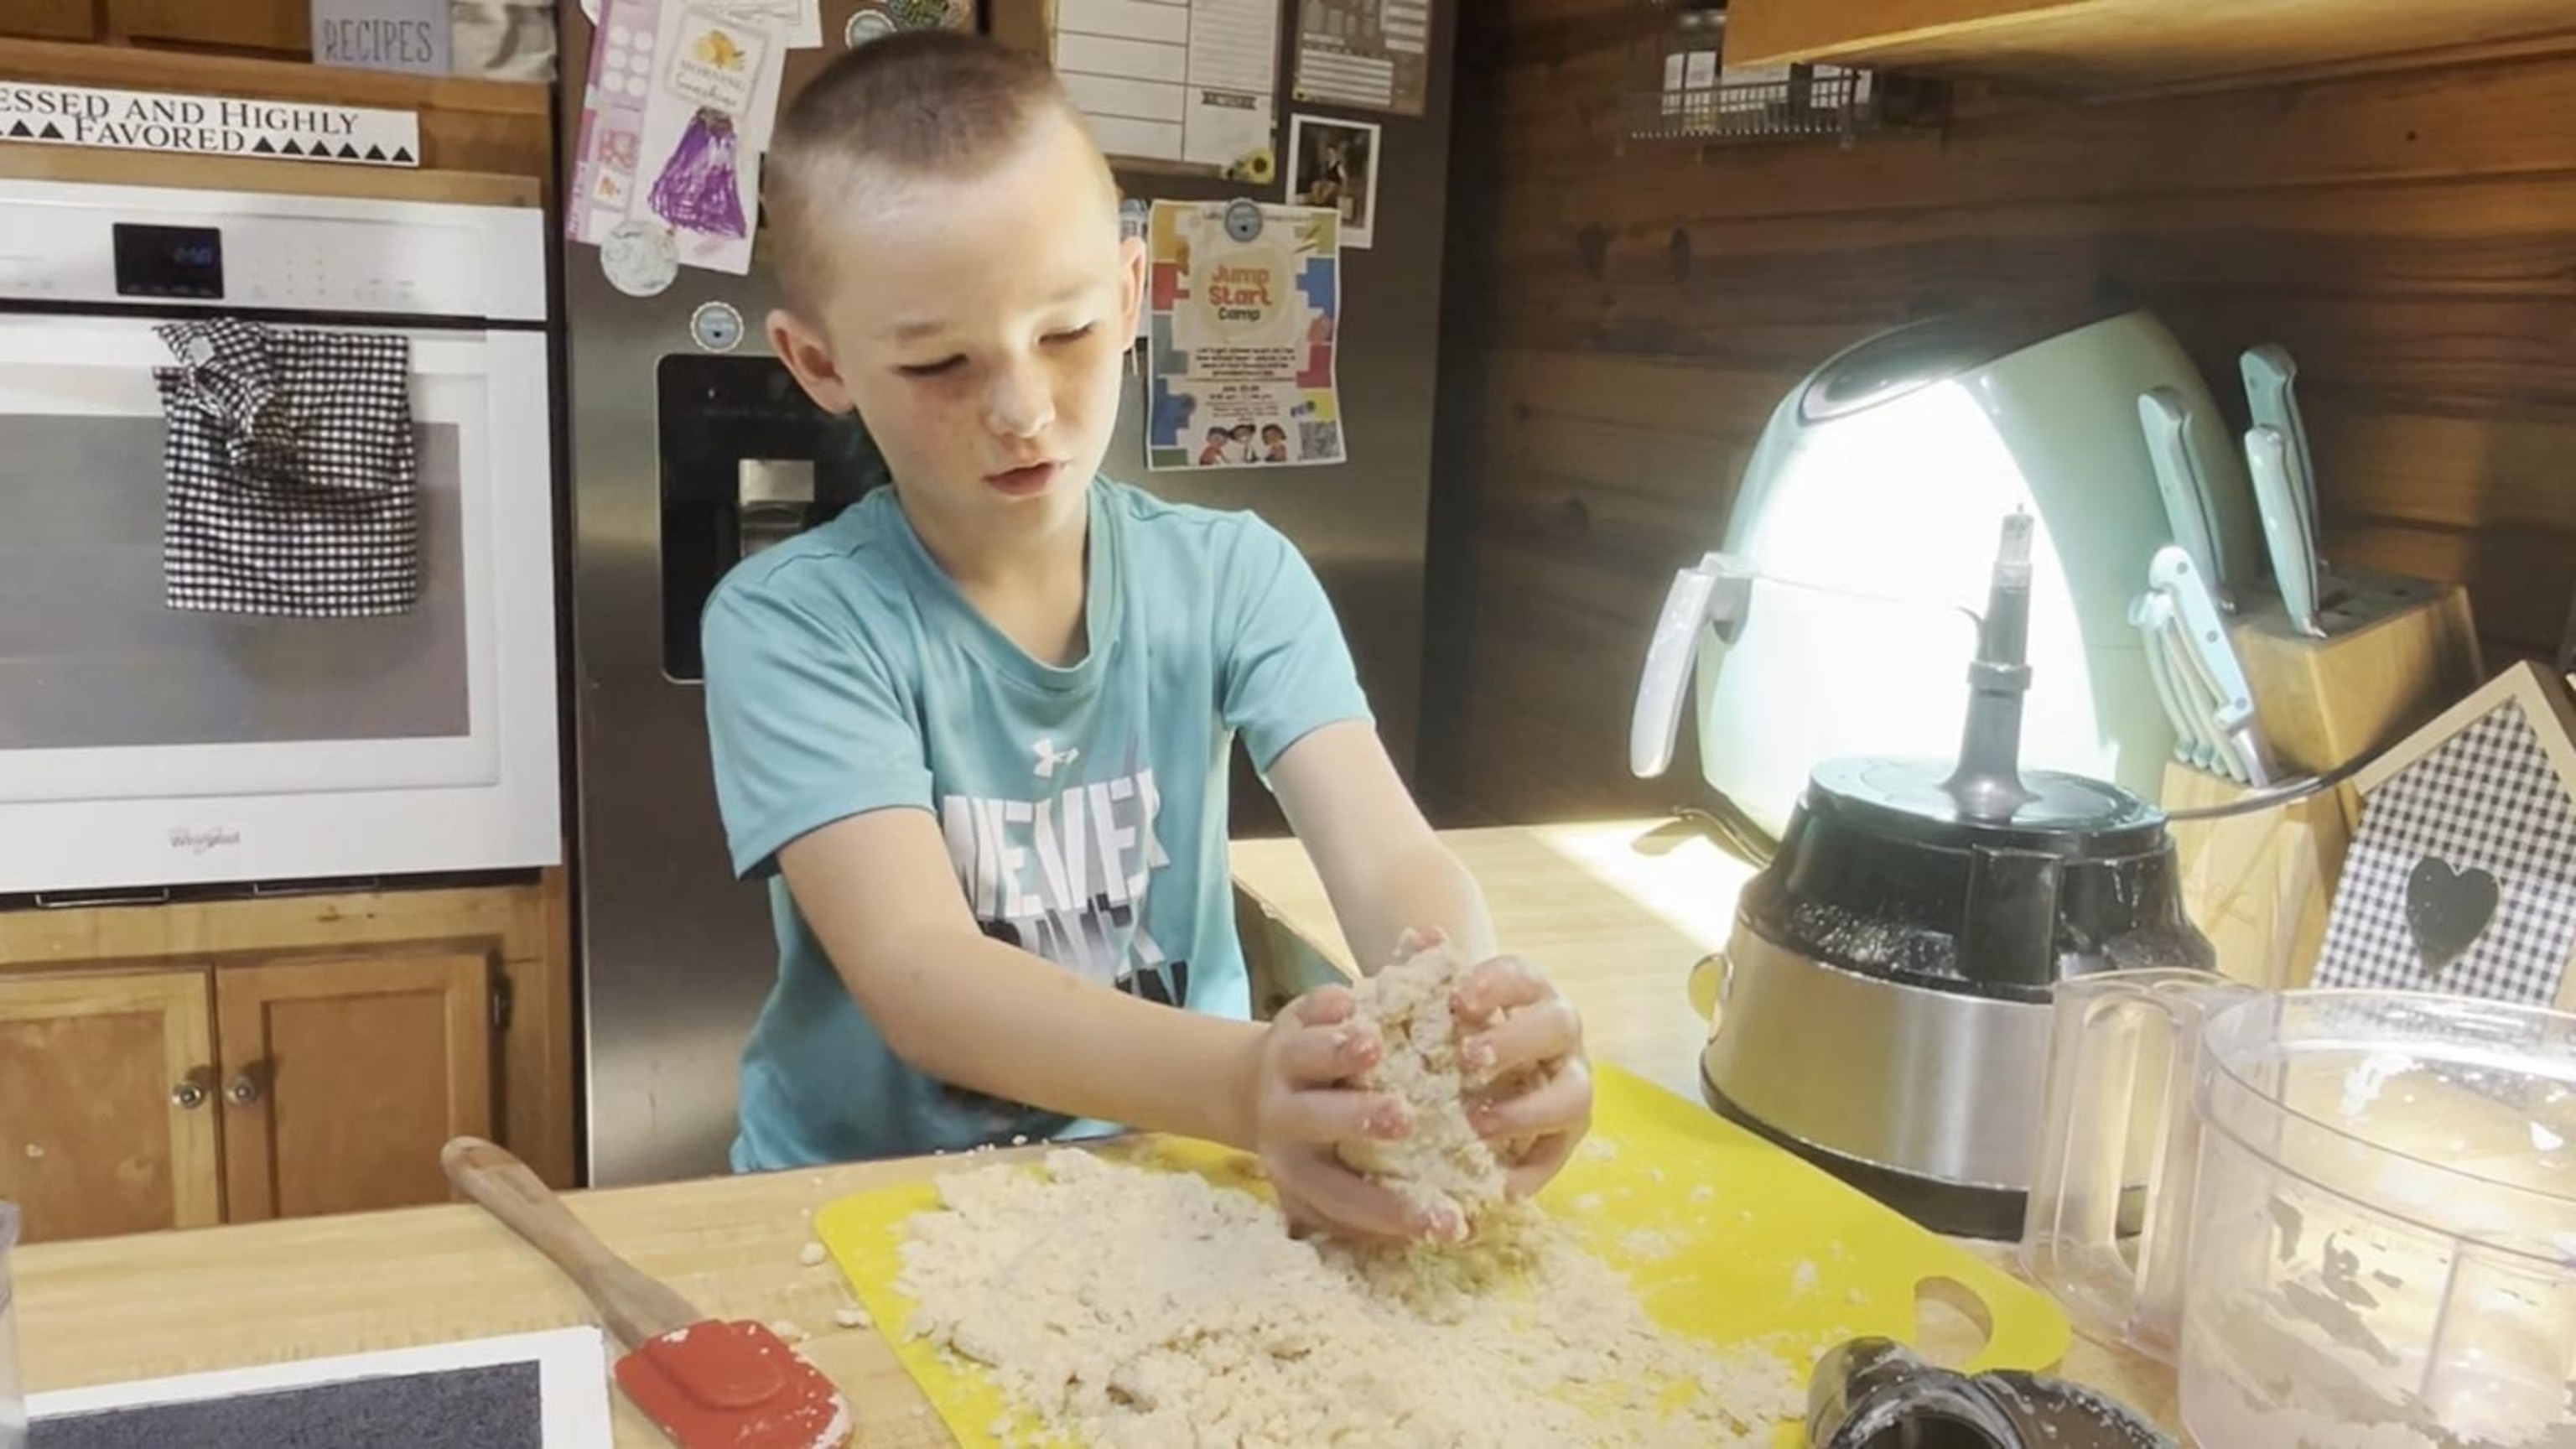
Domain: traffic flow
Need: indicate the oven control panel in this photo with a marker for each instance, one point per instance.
(169, 261)
(64, 244)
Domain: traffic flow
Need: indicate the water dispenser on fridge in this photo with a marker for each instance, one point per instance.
(747, 461)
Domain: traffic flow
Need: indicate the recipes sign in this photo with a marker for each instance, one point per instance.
(396, 35)
(60, 115)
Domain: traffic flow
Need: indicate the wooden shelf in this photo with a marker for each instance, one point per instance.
(2127, 44)
(499, 128)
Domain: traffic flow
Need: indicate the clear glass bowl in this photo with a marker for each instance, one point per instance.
(2359, 1217)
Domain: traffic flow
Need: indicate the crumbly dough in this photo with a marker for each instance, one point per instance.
(1442, 1165)
(1128, 1307)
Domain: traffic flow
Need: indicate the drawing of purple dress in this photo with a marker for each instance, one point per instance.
(698, 189)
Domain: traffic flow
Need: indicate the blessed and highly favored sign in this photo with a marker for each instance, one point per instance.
(62, 115)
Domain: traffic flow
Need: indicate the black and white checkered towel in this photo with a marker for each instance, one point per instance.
(292, 475)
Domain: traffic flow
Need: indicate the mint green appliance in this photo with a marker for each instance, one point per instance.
(1837, 616)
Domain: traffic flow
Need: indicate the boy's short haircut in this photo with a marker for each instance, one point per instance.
(918, 104)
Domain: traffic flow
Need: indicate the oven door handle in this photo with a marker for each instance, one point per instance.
(84, 900)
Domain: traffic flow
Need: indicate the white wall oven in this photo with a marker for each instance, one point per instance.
(145, 745)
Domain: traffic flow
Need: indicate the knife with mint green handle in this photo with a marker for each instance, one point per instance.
(2220, 758)
(2286, 528)
(2152, 617)
(2271, 375)
(2216, 677)
(2166, 420)
(2208, 747)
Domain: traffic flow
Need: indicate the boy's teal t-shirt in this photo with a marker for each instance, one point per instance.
(1084, 807)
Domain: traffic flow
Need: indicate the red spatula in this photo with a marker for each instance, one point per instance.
(710, 1384)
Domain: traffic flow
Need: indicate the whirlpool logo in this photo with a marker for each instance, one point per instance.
(198, 842)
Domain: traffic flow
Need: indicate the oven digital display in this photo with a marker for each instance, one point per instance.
(169, 261)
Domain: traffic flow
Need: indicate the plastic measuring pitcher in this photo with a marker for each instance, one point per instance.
(13, 1393)
(2359, 1215)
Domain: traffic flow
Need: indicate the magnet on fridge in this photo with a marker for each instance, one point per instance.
(881, 18)
(1243, 221)
(716, 326)
(640, 257)
(864, 26)
(1256, 166)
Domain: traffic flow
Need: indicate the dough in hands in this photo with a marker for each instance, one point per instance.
(1442, 1166)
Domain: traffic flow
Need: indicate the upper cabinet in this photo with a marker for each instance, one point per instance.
(253, 25)
(50, 19)
(2125, 44)
(269, 27)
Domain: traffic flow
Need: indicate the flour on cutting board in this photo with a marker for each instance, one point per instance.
(1134, 1307)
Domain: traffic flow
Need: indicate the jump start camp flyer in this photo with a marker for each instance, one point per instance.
(1246, 314)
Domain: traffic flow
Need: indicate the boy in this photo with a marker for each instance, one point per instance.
(975, 729)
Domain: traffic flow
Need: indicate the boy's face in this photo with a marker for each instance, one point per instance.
(977, 326)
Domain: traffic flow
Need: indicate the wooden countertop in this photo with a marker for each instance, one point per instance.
(110, 1309)
(1616, 912)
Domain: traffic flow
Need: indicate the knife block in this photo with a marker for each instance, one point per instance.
(2259, 885)
(2397, 652)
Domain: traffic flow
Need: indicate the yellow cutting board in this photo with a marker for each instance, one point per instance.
(1773, 1250)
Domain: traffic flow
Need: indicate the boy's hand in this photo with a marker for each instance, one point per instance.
(1302, 1106)
(1522, 1028)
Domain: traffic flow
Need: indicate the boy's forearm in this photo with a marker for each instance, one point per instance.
(1386, 870)
(993, 1018)
(1425, 888)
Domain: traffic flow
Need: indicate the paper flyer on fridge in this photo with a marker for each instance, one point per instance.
(1246, 308)
(681, 100)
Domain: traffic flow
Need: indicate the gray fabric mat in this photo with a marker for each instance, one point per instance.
(491, 1407)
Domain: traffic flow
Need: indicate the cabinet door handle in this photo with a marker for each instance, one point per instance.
(189, 1095)
(243, 1090)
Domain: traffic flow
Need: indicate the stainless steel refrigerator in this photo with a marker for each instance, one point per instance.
(683, 455)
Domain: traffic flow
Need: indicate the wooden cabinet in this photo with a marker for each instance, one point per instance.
(193, 1062)
(2126, 44)
(107, 1093)
(50, 19)
(342, 1079)
(264, 25)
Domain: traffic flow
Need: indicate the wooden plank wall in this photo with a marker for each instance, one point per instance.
(1619, 326)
